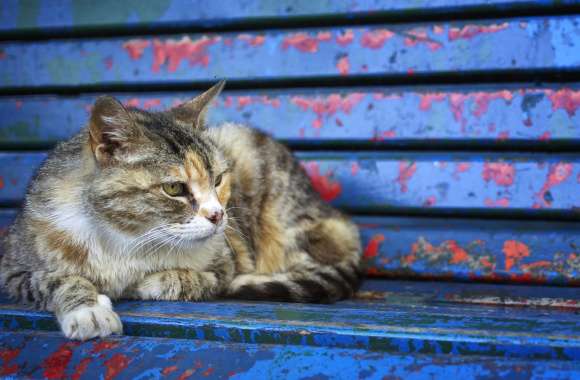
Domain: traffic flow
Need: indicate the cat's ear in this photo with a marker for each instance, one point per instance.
(192, 113)
(111, 128)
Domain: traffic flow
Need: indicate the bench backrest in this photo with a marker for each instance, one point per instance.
(449, 128)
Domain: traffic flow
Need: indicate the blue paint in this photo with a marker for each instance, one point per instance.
(491, 115)
(450, 47)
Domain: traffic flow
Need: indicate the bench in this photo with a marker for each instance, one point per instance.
(449, 129)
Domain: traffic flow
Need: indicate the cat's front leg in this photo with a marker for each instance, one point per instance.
(186, 284)
(177, 285)
(81, 311)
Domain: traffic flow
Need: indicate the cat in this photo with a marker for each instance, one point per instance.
(156, 206)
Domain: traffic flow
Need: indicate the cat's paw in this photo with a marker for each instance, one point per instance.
(157, 286)
(88, 322)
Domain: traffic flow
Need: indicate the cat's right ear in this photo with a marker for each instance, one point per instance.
(111, 128)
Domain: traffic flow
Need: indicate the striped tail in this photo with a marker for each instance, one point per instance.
(307, 284)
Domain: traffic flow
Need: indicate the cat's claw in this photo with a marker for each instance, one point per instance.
(88, 322)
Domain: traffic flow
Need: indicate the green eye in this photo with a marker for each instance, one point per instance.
(174, 189)
(218, 180)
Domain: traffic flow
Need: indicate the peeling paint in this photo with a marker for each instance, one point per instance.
(323, 184)
(136, 47)
(372, 247)
(557, 174)
(566, 99)
(172, 52)
(115, 365)
(406, 172)
(501, 173)
(419, 36)
(252, 40)
(328, 106)
(345, 37)
(55, 365)
(514, 251)
(343, 65)
(375, 39)
(304, 42)
(472, 30)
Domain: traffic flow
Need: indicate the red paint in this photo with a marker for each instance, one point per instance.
(323, 184)
(438, 29)
(536, 265)
(375, 39)
(406, 172)
(514, 251)
(103, 345)
(2, 54)
(252, 40)
(167, 370)
(557, 174)
(502, 202)
(133, 102)
(55, 365)
(410, 72)
(461, 167)
(419, 36)
(503, 136)
(173, 52)
(482, 100)
(207, 372)
(275, 102)
(430, 201)
(343, 65)
(18, 104)
(345, 38)
(501, 173)
(244, 101)
(456, 102)
(7, 355)
(151, 103)
(458, 254)
(136, 47)
(429, 98)
(81, 369)
(372, 248)
(470, 31)
(187, 373)
(108, 62)
(328, 106)
(546, 136)
(304, 42)
(354, 168)
(566, 99)
(115, 365)
(1, 183)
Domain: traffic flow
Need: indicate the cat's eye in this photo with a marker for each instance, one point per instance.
(174, 189)
(218, 180)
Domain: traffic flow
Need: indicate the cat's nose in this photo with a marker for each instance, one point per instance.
(216, 216)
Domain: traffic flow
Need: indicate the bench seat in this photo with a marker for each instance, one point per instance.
(391, 327)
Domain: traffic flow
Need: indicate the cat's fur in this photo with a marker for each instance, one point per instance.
(97, 223)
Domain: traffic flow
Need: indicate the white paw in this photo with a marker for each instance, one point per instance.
(153, 287)
(88, 322)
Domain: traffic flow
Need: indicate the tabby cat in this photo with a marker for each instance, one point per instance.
(154, 206)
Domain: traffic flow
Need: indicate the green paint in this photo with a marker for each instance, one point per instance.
(28, 15)
(20, 131)
(113, 12)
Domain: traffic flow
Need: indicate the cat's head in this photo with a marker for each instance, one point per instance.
(158, 175)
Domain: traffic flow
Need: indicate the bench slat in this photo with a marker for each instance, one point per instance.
(18, 16)
(373, 181)
(40, 354)
(398, 49)
(401, 318)
(466, 250)
(484, 115)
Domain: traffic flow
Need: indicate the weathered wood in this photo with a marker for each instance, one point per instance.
(46, 15)
(373, 181)
(400, 319)
(466, 250)
(26, 354)
(398, 49)
(467, 115)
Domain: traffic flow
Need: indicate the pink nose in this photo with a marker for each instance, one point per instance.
(216, 216)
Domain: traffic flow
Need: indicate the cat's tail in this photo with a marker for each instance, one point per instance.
(329, 271)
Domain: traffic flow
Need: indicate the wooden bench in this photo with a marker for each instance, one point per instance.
(450, 129)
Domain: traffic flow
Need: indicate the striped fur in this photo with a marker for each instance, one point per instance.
(98, 223)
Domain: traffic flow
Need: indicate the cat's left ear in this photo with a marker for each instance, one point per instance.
(192, 113)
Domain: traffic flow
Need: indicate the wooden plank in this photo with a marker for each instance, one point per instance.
(398, 49)
(18, 16)
(27, 354)
(466, 250)
(467, 115)
(374, 181)
(398, 322)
